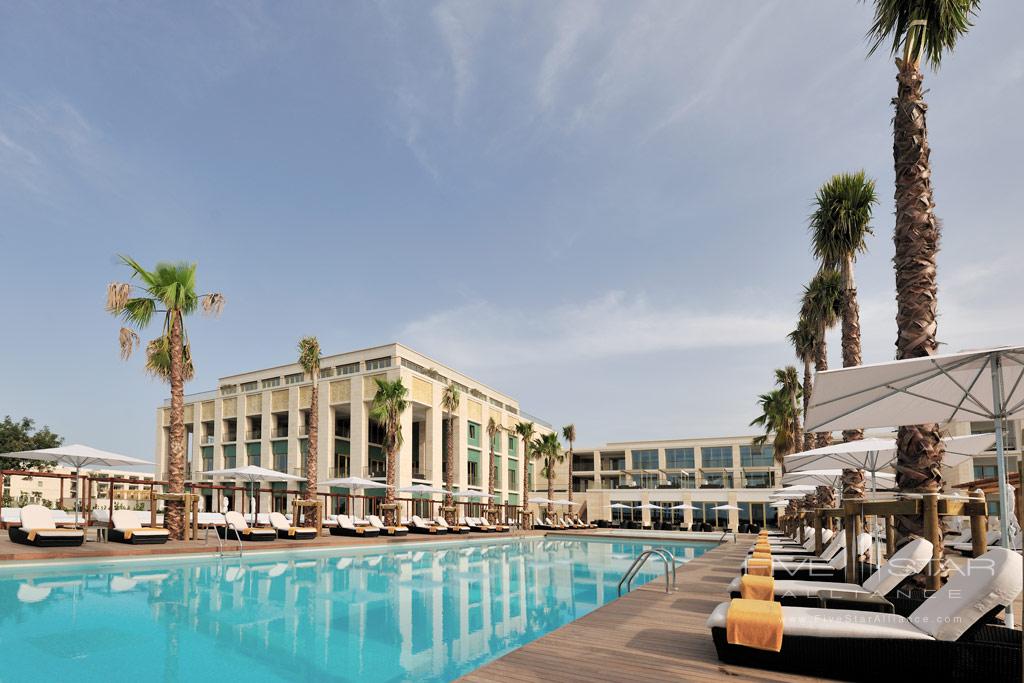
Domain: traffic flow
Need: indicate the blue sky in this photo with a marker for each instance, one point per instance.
(599, 208)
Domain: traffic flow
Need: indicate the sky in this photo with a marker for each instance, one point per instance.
(599, 208)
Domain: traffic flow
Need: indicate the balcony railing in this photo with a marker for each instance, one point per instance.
(303, 430)
(280, 432)
(254, 435)
(208, 440)
(229, 437)
(338, 472)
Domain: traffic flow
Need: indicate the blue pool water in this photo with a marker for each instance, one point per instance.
(425, 613)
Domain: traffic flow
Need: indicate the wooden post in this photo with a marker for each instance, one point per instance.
(979, 526)
(850, 514)
(932, 532)
(800, 531)
(890, 535)
(818, 544)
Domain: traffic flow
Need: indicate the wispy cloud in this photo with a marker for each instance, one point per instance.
(482, 334)
(461, 25)
(572, 21)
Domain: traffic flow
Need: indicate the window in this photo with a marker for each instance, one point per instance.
(326, 372)
(716, 456)
(512, 445)
(613, 462)
(716, 480)
(757, 456)
(229, 456)
(513, 479)
(249, 386)
(252, 450)
(473, 434)
(272, 382)
(496, 442)
(375, 432)
(989, 427)
(294, 378)
(342, 427)
(645, 460)
(646, 480)
(473, 472)
(348, 369)
(759, 480)
(679, 481)
(228, 389)
(985, 472)
(378, 364)
(679, 458)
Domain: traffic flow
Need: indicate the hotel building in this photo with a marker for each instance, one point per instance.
(262, 418)
(710, 472)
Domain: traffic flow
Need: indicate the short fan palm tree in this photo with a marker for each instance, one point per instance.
(569, 434)
(493, 429)
(525, 431)
(788, 382)
(309, 360)
(168, 290)
(776, 419)
(387, 407)
(805, 343)
(549, 452)
(822, 307)
(450, 405)
(917, 30)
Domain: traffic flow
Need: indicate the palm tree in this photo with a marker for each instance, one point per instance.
(493, 429)
(548, 450)
(525, 430)
(822, 306)
(170, 288)
(569, 434)
(776, 418)
(840, 225)
(788, 382)
(388, 405)
(309, 359)
(805, 344)
(450, 404)
(918, 30)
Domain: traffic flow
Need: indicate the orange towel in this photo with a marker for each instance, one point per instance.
(758, 555)
(754, 623)
(757, 587)
(759, 567)
(762, 548)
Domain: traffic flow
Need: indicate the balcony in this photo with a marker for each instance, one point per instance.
(303, 430)
(338, 472)
(229, 437)
(254, 435)
(208, 440)
(280, 432)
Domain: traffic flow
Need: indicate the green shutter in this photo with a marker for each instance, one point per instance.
(342, 447)
(279, 447)
(473, 455)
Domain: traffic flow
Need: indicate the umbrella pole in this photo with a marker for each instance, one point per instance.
(874, 523)
(78, 492)
(1004, 503)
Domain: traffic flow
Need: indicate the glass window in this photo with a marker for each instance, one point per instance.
(679, 458)
(511, 445)
(249, 386)
(989, 427)
(252, 451)
(679, 481)
(473, 434)
(716, 480)
(513, 480)
(473, 472)
(985, 472)
(757, 456)
(759, 480)
(348, 369)
(229, 456)
(294, 378)
(613, 462)
(645, 459)
(326, 372)
(228, 389)
(272, 382)
(378, 364)
(716, 456)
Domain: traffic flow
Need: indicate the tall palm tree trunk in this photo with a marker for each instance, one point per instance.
(821, 439)
(569, 490)
(919, 447)
(526, 475)
(389, 491)
(312, 450)
(808, 388)
(852, 479)
(490, 482)
(549, 466)
(449, 459)
(176, 456)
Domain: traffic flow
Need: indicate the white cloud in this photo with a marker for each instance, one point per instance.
(461, 24)
(572, 21)
(481, 334)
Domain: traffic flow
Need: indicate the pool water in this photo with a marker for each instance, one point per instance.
(417, 612)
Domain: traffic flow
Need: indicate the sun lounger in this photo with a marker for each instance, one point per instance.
(39, 529)
(964, 536)
(237, 527)
(421, 527)
(814, 569)
(346, 527)
(500, 528)
(457, 529)
(993, 539)
(477, 525)
(378, 524)
(837, 545)
(210, 519)
(944, 639)
(127, 529)
(907, 561)
(285, 529)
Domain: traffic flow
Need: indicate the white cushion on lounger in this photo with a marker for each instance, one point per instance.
(804, 588)
(910, 559)
(834, 623)
(988, 581)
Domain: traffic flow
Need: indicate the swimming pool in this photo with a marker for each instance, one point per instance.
(414, 612)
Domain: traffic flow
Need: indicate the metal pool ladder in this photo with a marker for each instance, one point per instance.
(220, 542)
(666, 556)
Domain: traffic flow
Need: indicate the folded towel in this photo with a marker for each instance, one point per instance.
(758, 555)
(754, 623)
(54, 532)
(759, 567)
(762, 548)
(754, 587)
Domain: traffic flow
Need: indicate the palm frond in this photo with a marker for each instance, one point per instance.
(569, 432)
(841, 220)
(387, 408)
(158, 359)
(117, 296)
(128, 340)
(309, 356)
(212, 304)
(138, 311)
(804, 340)
(822, 300)
(450, 398)
(945, 21)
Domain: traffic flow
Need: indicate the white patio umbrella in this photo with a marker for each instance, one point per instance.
(79, 457)
(620, 506)
(797, 491)
(251, 474)
(779, 504)
(650, 506)
(356, 484)
(563, 501)
(479, 495)
(545, 501)
(423, 488)
(832, 478)
(958, 387)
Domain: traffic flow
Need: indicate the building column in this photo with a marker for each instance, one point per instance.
(358, 439)
(404, 474)
(433, 442)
